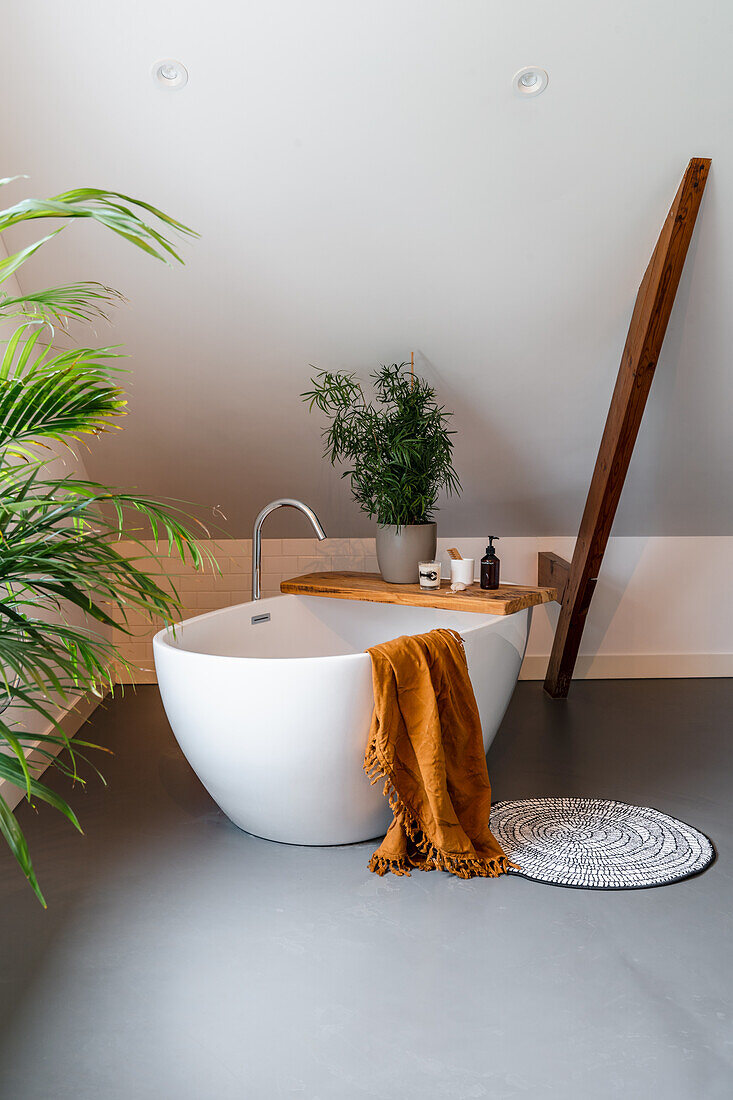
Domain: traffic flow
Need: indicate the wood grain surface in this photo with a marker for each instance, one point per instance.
(553, 572)
(505, 600)
(648, 325)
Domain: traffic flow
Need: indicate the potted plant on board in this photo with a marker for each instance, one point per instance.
(399, 452)
(63, 581)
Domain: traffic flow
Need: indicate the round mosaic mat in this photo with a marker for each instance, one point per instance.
(597, 844)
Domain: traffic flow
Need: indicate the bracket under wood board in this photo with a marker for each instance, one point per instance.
(577, 579)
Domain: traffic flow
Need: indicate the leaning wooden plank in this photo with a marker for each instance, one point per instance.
(641, 352)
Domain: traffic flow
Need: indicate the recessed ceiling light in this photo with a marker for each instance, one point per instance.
(530, 81)
(170, 73)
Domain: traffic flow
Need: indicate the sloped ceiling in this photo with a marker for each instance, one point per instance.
(366, 184)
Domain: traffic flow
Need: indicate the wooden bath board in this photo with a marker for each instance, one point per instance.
(369, 587)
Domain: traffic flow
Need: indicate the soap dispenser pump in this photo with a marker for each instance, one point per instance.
(490, 565)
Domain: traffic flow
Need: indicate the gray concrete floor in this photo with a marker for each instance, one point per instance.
(181, 958)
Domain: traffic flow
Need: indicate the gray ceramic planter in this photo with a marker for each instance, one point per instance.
(399, 549)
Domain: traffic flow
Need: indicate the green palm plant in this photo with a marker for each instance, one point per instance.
(58, 533)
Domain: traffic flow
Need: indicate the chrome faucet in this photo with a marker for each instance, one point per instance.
(257, 535)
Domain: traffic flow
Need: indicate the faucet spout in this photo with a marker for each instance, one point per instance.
(285, 502)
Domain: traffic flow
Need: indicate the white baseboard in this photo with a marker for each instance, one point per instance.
(636, 666)
(71, 719)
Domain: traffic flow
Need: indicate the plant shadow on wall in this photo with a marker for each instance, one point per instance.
(57, 554)
(398, 451)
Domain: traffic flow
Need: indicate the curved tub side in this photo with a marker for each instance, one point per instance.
(494, 655)
(278, 744)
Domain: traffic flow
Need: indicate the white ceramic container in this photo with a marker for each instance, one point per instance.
(271, 703)
(461, 571)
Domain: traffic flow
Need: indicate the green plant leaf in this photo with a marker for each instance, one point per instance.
(16, 841)
(397, 447)
(58, 535)
(106, 208)
(11, 770)
(83, 302)
(9, 266)
(57, 396)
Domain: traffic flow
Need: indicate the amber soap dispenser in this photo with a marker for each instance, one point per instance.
(490, 565)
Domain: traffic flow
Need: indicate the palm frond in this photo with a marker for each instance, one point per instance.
(17, 843)
(46, 395)
(11, 770)
(85, 302)
(111, 209)
(59, 537)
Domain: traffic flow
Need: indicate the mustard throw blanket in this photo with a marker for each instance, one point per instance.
(425, 741)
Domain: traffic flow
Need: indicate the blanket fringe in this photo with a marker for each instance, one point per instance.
(380, 865)
(456, 864)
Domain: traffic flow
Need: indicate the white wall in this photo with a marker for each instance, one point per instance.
(663, 607)
(366, 184)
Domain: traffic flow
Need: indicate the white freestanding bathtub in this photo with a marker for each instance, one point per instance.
(271, 703)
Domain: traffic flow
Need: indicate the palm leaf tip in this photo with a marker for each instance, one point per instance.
(129, 218)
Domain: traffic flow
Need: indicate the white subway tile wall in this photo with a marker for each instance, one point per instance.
(634, 629)
(207, 591)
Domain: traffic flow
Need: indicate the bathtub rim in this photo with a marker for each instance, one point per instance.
(161, 638)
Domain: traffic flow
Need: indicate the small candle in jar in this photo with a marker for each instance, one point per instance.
(429, 574)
